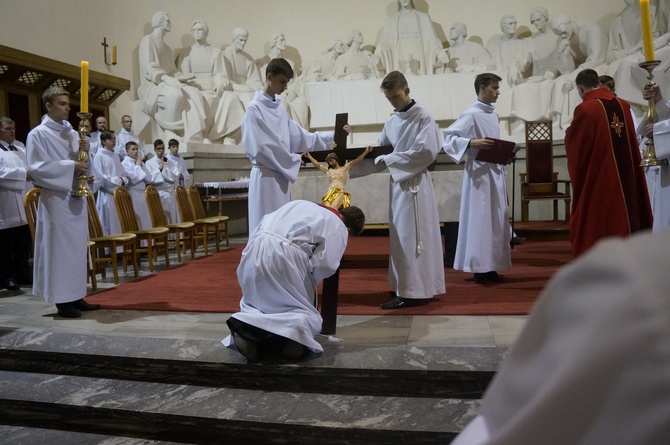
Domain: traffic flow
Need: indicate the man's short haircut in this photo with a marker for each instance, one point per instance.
(607, 81)
(587, 78)
(4, 120)
(106, 135)
(52, 92)
(279, 66)
(130, 144)
(354, 219)
(173, 142)
(393, 81)
(485, 79)
(158, 142)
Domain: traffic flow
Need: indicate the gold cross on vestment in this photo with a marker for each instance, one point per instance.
(616, 124)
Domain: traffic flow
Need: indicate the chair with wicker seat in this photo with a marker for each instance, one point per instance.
(182, 231)
(30, 202)
(111, 243)
(199, 211)
(202, 225)
(156, 238)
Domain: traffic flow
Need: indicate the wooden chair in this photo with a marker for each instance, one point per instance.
(182, 231)
(30, 202)
(156, 238)
(202, 226)
(540, 182)
(110, 242)
(195, 200)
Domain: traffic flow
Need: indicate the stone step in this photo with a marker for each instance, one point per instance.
(221, 415)
(16, 435)
(459, 373)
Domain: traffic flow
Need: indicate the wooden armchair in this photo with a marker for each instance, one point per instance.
(110, 242)
(540, 182)
(202, 226)
(183, 232)
(30, 202)
(156, 238)
(199, 211)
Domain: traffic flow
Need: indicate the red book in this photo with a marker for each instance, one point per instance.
(501, 152)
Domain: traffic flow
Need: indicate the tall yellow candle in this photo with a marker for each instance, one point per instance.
(83, 103)
(647, 37)
(114, 55)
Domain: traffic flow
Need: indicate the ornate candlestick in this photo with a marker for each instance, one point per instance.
(82, 186)
(650, 159)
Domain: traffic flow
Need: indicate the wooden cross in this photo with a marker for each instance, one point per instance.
(341, 149)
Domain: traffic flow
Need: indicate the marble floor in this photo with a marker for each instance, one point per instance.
(24, 316)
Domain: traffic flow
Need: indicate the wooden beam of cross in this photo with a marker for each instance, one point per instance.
(341, 149)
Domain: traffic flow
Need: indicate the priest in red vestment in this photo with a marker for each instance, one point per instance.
(610, 195)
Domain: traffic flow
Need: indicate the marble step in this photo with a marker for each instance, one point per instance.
(461, 373)
(205, 414)
(10, 434)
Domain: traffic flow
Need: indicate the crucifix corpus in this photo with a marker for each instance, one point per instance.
(341, 149)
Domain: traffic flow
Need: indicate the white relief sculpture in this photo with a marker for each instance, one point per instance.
(321, 68)
(176, 109)
(504, 49)
(224, 110)
(355, 63)
(243, 72)
(466, 56)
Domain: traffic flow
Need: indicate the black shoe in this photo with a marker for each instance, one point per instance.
(67, 310)
(84, 306)
(481, 278)
(493, 277)
(293, 349)
(517, 240)
(247, 348)
(12, 284)
(399, 303)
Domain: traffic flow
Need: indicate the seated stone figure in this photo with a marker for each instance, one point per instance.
(537, 57)
(175, 108)
(408, 42)
(504, 49)
(224, 110)
(321, 68)
(240, 67)
(293, 98)
(355, 63)
(465, 56)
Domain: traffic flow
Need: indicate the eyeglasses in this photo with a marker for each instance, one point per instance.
(126, 122)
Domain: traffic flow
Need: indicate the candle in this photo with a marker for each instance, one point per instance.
(114, 55)
(83, 103)
(647, 37)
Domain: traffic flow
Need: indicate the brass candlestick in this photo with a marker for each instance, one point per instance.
(650, 159)
(82, 186)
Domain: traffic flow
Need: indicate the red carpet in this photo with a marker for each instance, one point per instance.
(209, 284)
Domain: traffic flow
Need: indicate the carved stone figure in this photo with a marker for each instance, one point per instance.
(321, 68)
(408, 42)
(504, 49)
(355, 63)
(224, 110)
(243, 72)
(538, 52)
(582, 44)
(176, 109)
(466, 56)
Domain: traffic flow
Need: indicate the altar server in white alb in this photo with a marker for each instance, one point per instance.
(61, 232)
(416, 270)
(292, 251)
(15, 242)
(178, 161)
(165, 177)
(138, 178)
(274, 143)
(483, 245)
(592, 364)
(109, 174)
(125, 135)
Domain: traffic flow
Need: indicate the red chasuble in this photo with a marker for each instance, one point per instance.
(610, 195)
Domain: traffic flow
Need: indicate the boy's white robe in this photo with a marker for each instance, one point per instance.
(61, 233)
(165, 182)
(292, 251)
(138, 176)
(13, 186)
(273, 143)
(109, 174)
(483, 230)
(416, 266)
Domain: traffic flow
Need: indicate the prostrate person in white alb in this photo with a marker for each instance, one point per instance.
(61, 232)
(292, 251)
